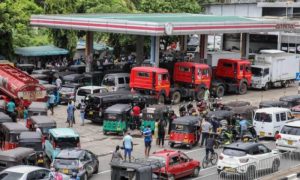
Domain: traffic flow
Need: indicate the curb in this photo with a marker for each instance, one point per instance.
(291, 177)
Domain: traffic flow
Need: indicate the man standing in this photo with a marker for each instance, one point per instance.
(58, 83)
(161, 132)
(11, 107)
(82, 111)
(51, 102)
(128, 146)
(136, 111)
(148, 140)
(206, 127)
(70, 112)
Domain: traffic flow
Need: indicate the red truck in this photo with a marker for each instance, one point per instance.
(191, 79)
(18, 85)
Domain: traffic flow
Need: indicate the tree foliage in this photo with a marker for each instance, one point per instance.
(170, 6)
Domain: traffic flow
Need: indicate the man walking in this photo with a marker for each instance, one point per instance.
(58, 83)
(70, 112)
(161, 132)
(82, 111)
(206, 127)
(128, 146)
(148, 140)
(209, 147)
(51, 102)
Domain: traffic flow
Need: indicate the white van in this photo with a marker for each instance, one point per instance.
(84, 91)
(116, 81)
(288, 139)
(269, 120)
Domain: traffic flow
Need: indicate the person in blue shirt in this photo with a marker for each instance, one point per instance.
(128, 146)
(11, 110)
(51, 102)
(148, 140)
(70, 112)
(25, 114)
(244, 126)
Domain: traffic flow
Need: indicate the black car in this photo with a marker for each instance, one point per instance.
(83, 162)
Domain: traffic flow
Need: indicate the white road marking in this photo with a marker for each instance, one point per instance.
(103, 172)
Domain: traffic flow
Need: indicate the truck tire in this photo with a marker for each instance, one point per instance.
(267, 86)
(285, 84)
(200, 94)
(161, 99)
(243, 88)
(176, 97)
(220, 91)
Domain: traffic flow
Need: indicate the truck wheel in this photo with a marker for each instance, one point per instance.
(176, 97)
(220, 91)
(200, 94)
(266, 86)
(285, 84)
(161, 99)
(243, 88)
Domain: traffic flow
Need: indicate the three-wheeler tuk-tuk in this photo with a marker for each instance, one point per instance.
(185, 131)
(116, 118)
(36, 109)
(45, 123)
(152, 113)
(9, 134)
(266, 104)
(5, 118)
(291, 101)
(32, 140)
(17, 156)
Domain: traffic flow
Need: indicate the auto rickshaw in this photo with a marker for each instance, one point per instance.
(246, 112)
(36, 109)
(116, 118)
(153, 112)
(5, 118)
(17, 156)
(236, 104)
(185, 131)
(45, 123)
(32, 140)
(9, 134)
(266, 104)
(2, 106)
(140, 169)
(291, 101)
(26, 67)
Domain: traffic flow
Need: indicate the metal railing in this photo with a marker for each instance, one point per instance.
(259, 168)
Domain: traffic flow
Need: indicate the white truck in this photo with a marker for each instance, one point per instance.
(274, 68)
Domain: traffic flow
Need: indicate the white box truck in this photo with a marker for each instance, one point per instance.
(213, 57)
(274, 68)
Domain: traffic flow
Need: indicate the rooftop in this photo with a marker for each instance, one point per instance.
(64, 132)
(40, 51)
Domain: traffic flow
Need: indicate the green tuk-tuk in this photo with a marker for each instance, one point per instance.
(116, 118)
(153, 112)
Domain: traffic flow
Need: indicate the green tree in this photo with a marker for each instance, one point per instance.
(169, 6)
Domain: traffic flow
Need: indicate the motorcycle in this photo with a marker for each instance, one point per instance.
(225, 138)
(182, 110)
(201, 106)
(216, 104)
(250, 135)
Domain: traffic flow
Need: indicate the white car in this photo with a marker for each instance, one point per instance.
(246, 159)
(288, 139)
(25, 172)
(85, 91)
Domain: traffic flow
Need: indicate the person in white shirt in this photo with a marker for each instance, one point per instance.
(58, 82)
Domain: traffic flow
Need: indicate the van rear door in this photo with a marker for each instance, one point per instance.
(263, 123)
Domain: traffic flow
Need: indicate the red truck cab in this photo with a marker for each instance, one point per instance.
(177, 164)
(151, 80)
(232, 75)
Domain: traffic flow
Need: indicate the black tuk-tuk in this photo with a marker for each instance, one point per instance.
(236, 104)
(220, 115)
(73, 78)
(26, 67)
(40, 77)
(17, 156)
(79, 69)
(153, 112)
(5, 118)
(32, 140)
(37, 108)
(185, 131)
(266, 104)
(93, 78)
(291, 101)
(9, 134)
(140, 169)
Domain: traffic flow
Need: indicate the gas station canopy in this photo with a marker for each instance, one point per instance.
(163, 24)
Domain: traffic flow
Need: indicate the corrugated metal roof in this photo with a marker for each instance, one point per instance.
(40, 51)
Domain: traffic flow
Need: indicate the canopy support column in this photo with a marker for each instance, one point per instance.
(154, 56)
(139, 49)
(279, 41)
(203, 47)
(183, 43)
(244, 45)
(89, 49)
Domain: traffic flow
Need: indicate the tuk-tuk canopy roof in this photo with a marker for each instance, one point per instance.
(40, 51)
(16, 154)
(49, 86)
(42, 121)
(38, 106)
(63, 132)
(42, 71)
(118, 108)
(272, 104)
(30, 135)
(221, 114)
(139, 164)
(155, 108)
(14, 127)
(237, 103)
(72, 77)
(71, 85)
(5, 118)
(290, 98)
(187, 120)
(243, 109)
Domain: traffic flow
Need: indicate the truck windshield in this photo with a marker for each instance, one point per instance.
(263, 117)
(257, 71)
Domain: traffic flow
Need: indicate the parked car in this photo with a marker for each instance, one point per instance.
(85, 91)
(177, 164)
(246, 159)
(288, 139)
(116, 81)
(83, 162)
(67, 92)
(26, 172)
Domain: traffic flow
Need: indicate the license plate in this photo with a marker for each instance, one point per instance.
(229, 169)
(65, 171)
(246, 139)
(40, 161)
(290, 142)
(261, 133)
(91, 113)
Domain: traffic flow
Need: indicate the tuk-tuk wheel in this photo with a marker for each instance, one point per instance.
(172, 145)
(105, 132)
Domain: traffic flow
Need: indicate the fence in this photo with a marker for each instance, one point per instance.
(260, 168)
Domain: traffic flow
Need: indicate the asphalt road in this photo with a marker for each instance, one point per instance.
(93, 139)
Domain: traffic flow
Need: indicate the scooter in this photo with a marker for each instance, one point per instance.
(250, 136)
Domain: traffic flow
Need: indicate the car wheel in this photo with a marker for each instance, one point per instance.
(171, 177)
(196, 172)
(275, 165)
(176, 97)
(250, 173)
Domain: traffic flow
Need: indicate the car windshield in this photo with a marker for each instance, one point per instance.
(84, 92)
(263, 117)
(63, 163)
(256, 71)
(290, 130)
(69, 142)
(157, 158)
(234, 152)
(67, 89)
(108, 81)
(7, 175)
